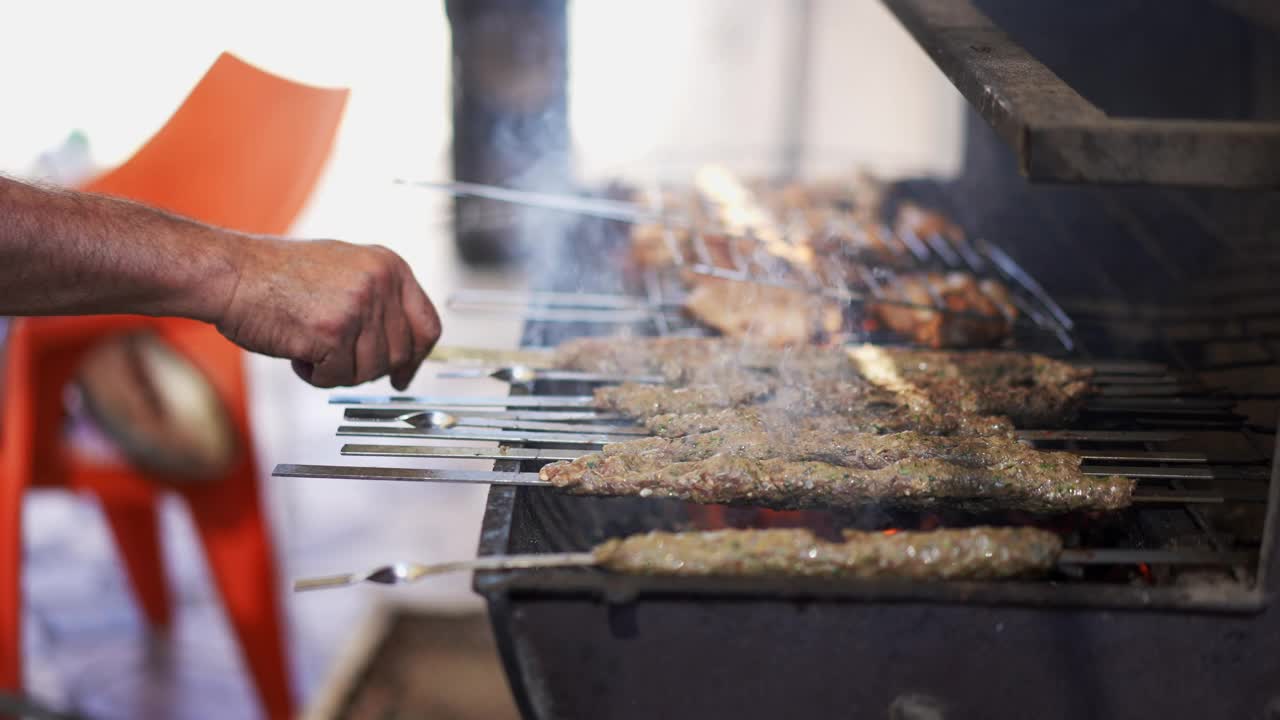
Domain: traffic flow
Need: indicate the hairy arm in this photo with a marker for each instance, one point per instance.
(68, 253)
(343, 313)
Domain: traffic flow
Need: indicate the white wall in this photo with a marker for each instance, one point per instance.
(660, 83)
(665, 85)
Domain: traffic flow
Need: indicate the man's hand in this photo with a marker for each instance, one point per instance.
(345, 314)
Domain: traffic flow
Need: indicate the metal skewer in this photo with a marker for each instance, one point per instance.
(1258, 472)
(442, 420)
(525, 375)
(576, 438)
(437, 451)
(1118, 436)
(365, 413)
(594, 207)
(424, 402)
(541, 298)
(531, 479)
(1108, 372)
(1147, 390)
(408, 572)
(393, 413)
(1141, 405)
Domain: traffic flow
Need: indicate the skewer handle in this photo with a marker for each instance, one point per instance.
(491, 356)
(326, 582)
(404, 573)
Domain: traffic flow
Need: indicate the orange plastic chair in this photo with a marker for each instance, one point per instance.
(244, 151)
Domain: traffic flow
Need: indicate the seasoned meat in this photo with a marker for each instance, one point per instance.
(1032, 390)
(977, 553)
(850, 449)
(940, 310)
(806, 228)
(681, 411)
(877, 419)
(779, 315)
(914, 220)
(785, 485)
(685, 360)
(640, 401)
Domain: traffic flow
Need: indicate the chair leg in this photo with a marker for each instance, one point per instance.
(10, 579)
(17, 458)
(230, 520)
(136, 528)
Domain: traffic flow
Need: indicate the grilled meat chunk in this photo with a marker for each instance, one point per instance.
(946, 310)
(785, 485)
(977, 553)
(791, 232)
(780, 315)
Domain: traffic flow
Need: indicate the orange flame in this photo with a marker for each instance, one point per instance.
(892, 531)
(1145, 571)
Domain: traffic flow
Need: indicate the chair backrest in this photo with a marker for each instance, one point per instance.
(244, 150)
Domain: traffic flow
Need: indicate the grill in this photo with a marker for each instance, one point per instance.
(1168, 289)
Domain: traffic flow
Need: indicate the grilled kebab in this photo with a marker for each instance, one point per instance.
(786, 484)
(977, 553)
(935, 387)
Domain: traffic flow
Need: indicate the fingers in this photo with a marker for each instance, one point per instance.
(399, 338)
(372, 355)
(363, 316)
(424, 326)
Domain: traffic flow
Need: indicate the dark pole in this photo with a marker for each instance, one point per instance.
(510, 115)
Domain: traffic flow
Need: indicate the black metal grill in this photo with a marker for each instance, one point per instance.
(587, 644)
(582, 644)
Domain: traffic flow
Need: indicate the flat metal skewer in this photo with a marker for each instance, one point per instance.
(401, 573)
(440, 420)
(596, 207)
(1255, 471)
(1143, 407)
(407, 572)
(524, 375)
(531, 479)
(575, 438)
(1141, 380)
(602, 434)
(394, 413)
(1118, 436)
(1121, 367)
(550, 299)
(1147, 390)
(437, 451)
(1144, 404)
(426, 402)
(1108, 372)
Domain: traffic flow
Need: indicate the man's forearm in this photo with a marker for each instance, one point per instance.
(63, 252)
(343, 313)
